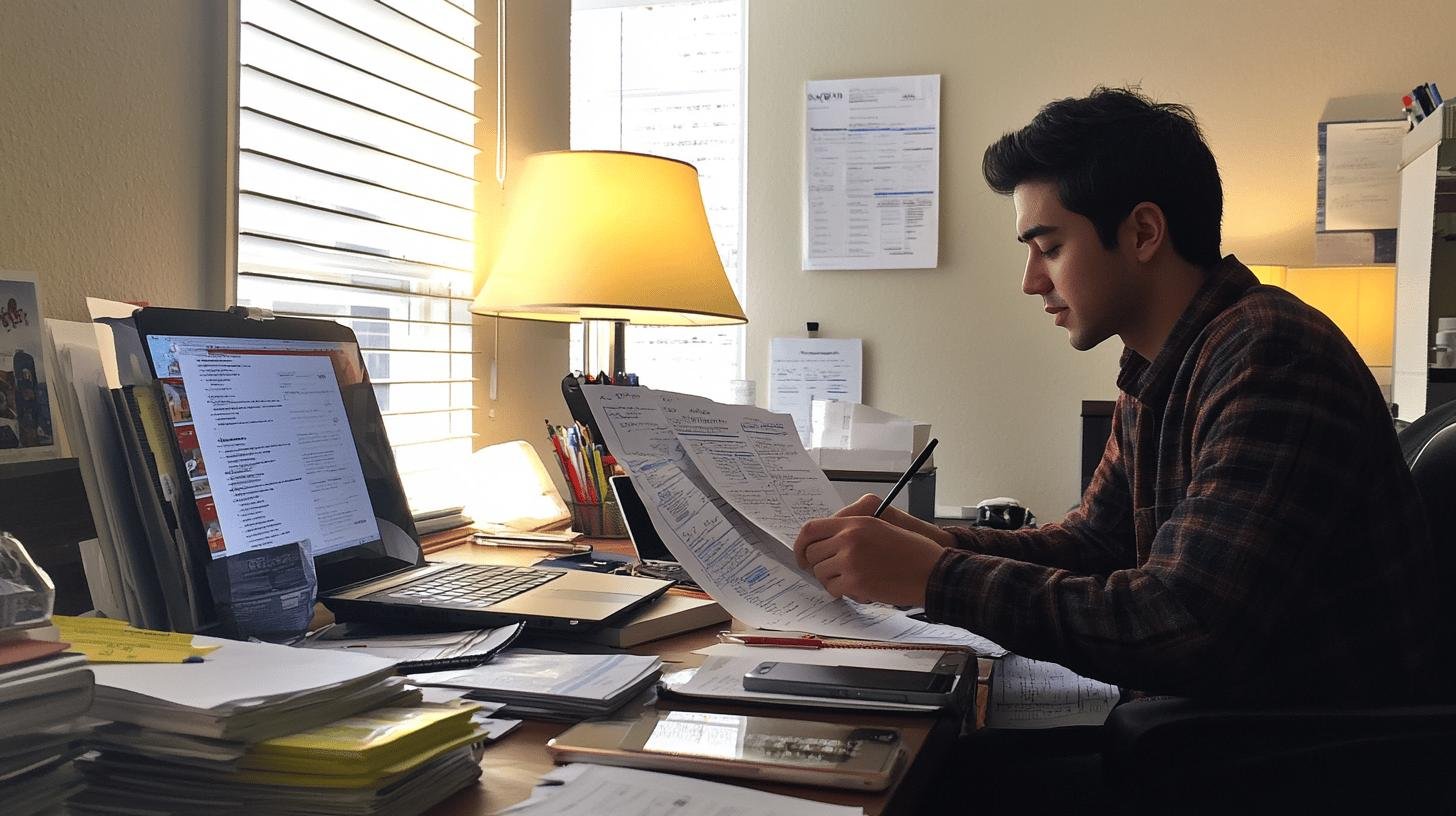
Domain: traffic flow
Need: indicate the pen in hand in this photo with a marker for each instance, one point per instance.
(905, 478)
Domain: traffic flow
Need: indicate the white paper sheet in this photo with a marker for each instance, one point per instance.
(602, 790)
(752, 458)
(753, 575)
(1028, 693)
(239, 675)
(804, 369)
(590, 677)
(872, 173)
(1362, 175)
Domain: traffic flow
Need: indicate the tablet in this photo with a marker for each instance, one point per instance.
(767, 748)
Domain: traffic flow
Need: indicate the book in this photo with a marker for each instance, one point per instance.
(668, 615)
(367, 743)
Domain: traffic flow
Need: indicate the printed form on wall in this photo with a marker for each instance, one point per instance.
(872, 173)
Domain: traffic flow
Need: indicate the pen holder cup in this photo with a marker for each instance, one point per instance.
(600, 520)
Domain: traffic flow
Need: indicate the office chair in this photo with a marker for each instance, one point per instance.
(1177, 755)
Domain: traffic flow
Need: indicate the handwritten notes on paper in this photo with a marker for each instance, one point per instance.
(1362, 175)
(1028, 693)
(727, 488)
(103, 640)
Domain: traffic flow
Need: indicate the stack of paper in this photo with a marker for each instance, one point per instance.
(550, 686)
(43, 692)
(256, 727)
(245, 691)
(1028, 693)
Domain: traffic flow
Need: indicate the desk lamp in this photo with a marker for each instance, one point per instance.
(1359, 299)
(597, 235)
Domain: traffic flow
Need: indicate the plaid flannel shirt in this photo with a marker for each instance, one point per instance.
(1251, 533)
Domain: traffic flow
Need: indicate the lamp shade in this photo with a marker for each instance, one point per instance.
(600, 235)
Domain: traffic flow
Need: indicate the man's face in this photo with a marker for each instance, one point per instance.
(1088, 289)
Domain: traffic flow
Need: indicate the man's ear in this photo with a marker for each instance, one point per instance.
(1146, 230)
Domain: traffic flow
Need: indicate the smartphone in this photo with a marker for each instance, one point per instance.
(764, 748)
(933, 687)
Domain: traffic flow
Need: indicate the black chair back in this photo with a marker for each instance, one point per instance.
(1429, 445)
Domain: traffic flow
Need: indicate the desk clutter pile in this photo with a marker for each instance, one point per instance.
(43, 695)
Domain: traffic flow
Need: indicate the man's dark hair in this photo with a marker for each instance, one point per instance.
(1109, 152)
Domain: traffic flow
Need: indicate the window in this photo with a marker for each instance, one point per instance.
(667, 79)
(356, 197)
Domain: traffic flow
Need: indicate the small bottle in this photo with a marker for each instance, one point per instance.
(811, 329)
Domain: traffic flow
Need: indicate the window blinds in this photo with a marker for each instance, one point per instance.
(356, 196)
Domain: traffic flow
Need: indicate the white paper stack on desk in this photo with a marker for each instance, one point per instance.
(43, 694)
(551, 686)
(186, 736)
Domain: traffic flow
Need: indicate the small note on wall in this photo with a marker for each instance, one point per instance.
(803, 369)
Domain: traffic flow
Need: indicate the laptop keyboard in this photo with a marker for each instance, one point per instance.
(474, 586)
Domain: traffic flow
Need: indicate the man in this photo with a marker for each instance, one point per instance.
(1252, 531)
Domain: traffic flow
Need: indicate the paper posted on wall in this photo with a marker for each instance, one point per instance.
(727, 488)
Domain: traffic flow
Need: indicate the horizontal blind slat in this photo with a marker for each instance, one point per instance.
(386, 25)
(280, 178)
(279, 259)
(314, 30)
(263, 133)
(293, 222)
(283, 57)
(305, 107)
(443, 16)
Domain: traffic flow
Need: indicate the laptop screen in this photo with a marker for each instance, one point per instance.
(645, 540)
(281, 441)
(263, 435)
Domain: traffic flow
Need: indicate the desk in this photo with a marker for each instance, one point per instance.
(513, 764)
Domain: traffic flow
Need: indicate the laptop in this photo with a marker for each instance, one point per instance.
(278, 431)
(654, 560)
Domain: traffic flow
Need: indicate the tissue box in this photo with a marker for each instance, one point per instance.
(854, 436)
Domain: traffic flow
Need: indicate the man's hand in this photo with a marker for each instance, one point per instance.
(865, 506)
(867, 559)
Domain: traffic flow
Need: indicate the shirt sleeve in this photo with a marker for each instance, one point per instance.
(1096, 536)
(1270, 458)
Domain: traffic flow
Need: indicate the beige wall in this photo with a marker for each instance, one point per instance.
(531, 357)
(960, 345)
(110, 149)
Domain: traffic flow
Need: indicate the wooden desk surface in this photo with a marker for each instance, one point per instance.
(512, 764)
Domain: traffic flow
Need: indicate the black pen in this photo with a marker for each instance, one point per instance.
(905, 479)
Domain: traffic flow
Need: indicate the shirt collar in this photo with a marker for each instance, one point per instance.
(1149, 382)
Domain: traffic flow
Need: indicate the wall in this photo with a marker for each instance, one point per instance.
(110, 148)
(531, 356)
(960, 345)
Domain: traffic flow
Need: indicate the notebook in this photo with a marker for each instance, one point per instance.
(277, 424)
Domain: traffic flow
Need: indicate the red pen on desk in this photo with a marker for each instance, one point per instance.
(791, 641)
